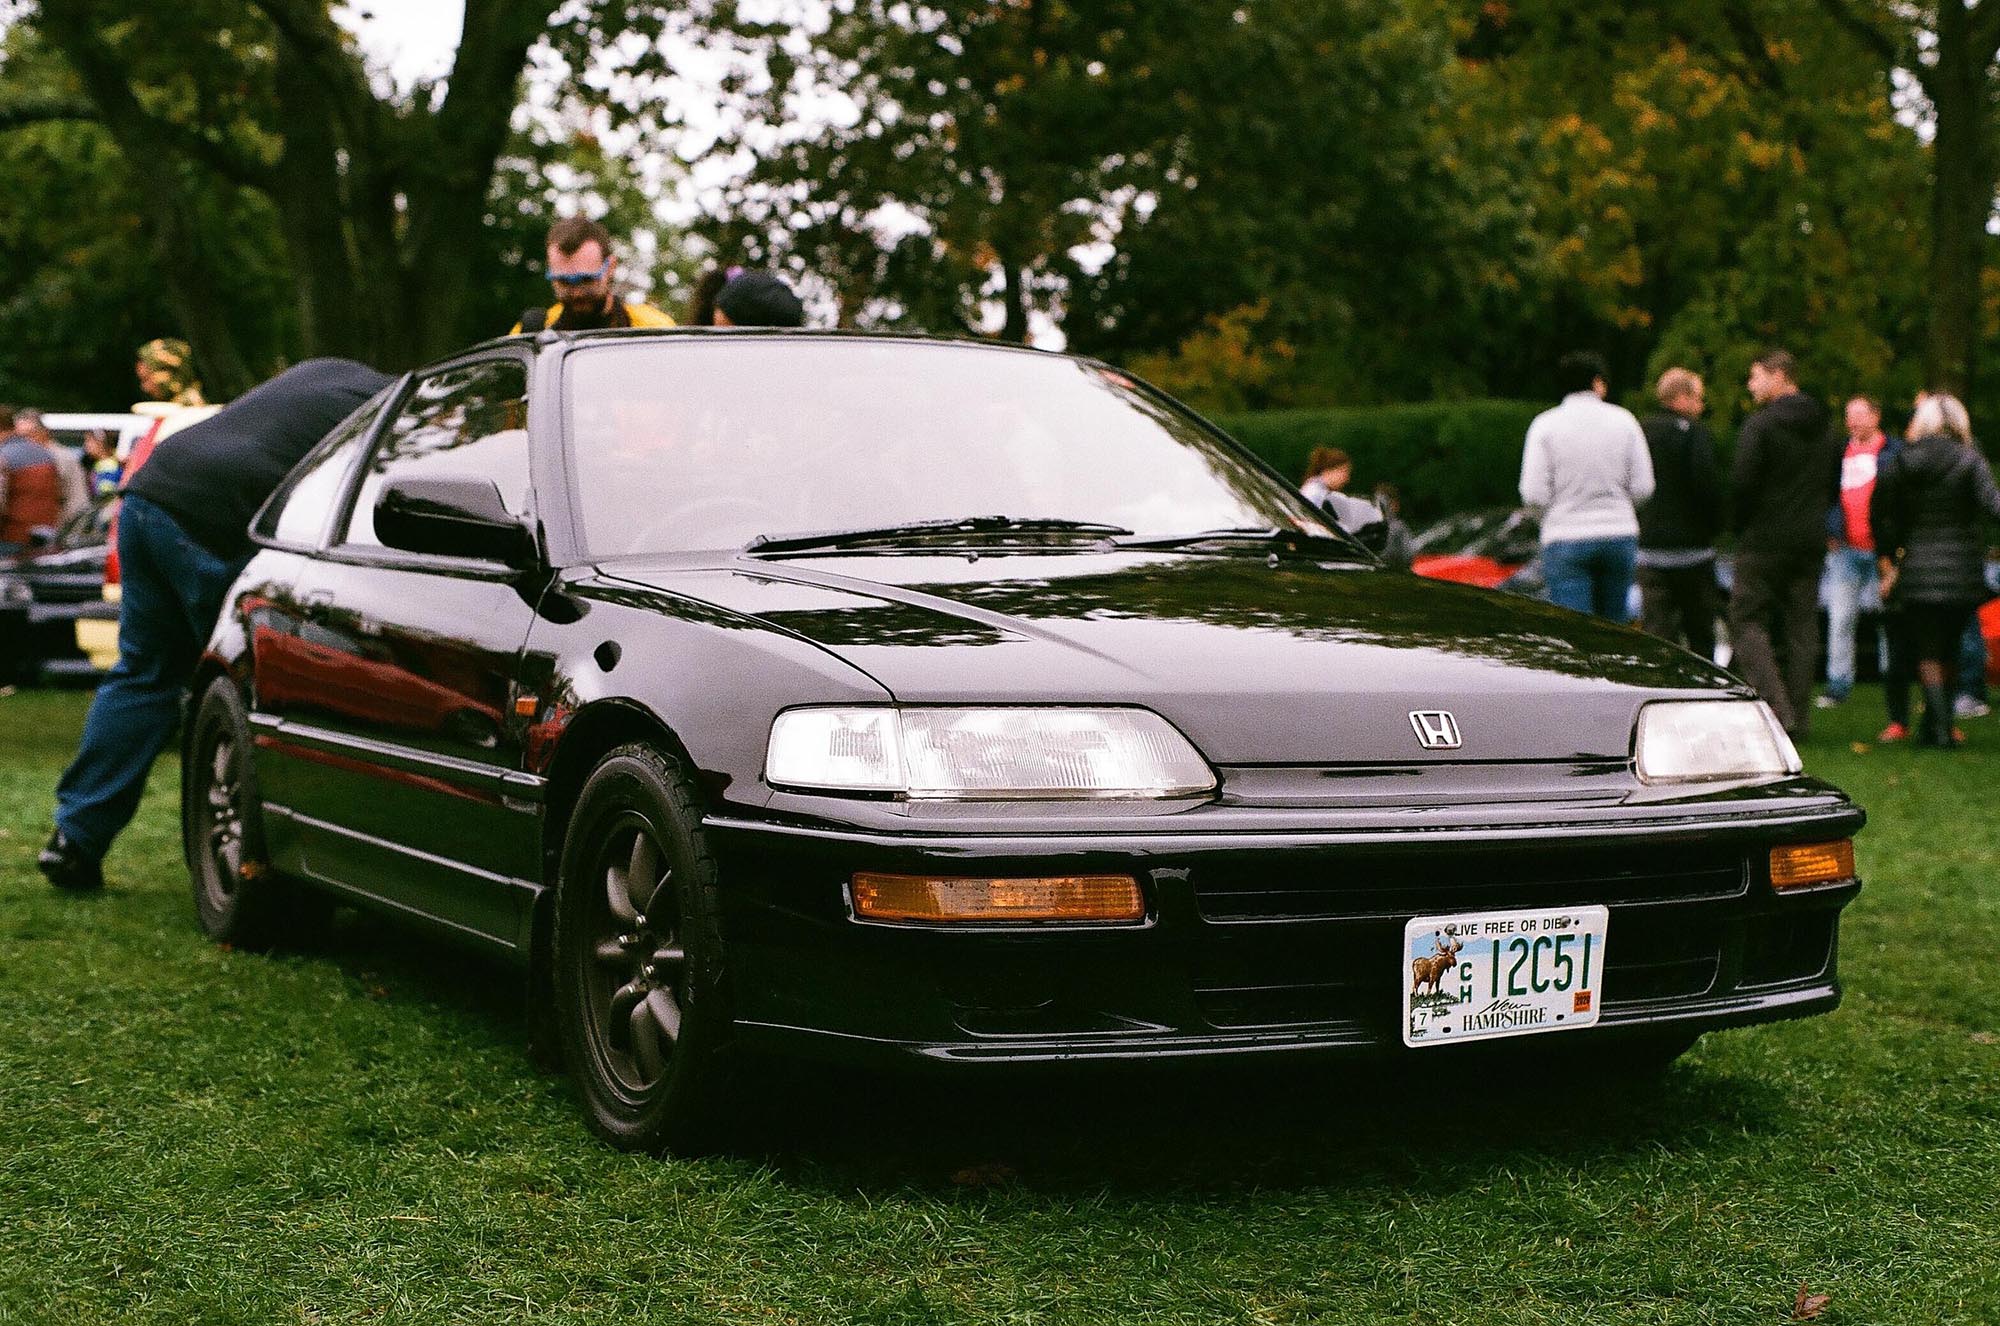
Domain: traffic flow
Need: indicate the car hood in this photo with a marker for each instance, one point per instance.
(1260, 661)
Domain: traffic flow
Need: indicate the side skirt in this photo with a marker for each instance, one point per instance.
(463, 903)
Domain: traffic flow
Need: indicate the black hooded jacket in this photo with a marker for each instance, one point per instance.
(1787, 474)
(1925, 511)
(212, 476)
(1685, 510)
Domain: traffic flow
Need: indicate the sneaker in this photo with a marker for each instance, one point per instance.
(1966, 706)
(1827, 701)
(1893, 732)
(68, 866)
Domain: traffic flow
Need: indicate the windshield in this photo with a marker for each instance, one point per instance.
(682, 444)
(1502, 535)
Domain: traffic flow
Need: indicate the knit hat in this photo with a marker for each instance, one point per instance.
(760, 299)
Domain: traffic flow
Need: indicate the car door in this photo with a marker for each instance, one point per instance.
(404, 756)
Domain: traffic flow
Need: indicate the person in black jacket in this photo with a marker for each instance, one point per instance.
(1787, 474)
(1925, 513)
(183, 535)
(1678, 524)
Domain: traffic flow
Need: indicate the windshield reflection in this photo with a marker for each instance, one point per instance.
(683, 444)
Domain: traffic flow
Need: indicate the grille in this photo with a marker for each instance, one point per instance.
(1350, 983)
(1341, 886)
(1779, 950)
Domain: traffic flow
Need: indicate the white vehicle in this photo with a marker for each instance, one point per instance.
(125, 429)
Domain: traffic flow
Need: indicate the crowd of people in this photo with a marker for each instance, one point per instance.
(1882, 521)
(1890, 525)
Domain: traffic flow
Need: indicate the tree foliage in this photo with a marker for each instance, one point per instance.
(394, 214)
(1282, 203)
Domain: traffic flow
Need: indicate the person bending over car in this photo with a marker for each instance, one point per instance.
(182, 538)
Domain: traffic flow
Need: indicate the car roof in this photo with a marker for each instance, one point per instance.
(616, 335)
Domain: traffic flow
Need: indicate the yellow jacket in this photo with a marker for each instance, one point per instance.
(642, 315)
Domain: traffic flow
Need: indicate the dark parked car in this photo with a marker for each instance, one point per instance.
(900, 701)
(46, 591)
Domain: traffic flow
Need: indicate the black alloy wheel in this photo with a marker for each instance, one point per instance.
(637, 952)
(238, 899)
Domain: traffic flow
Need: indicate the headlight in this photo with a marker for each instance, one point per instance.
(1696, 741)
(985, 753)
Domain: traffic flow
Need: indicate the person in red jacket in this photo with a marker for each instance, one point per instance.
(1852, 583)
(31, 491)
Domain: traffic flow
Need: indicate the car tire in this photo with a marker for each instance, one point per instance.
(641, 1007)
(238, 899)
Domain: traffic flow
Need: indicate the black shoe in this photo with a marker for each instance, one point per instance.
(68, 866)
(1936, 729)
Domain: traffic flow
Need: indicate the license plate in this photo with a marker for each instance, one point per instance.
(1482, 975)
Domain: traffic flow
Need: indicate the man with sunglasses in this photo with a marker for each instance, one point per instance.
(583, 273)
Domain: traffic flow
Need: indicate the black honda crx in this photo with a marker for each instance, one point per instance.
(896, 700)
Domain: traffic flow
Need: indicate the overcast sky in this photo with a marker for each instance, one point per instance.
(408, 39)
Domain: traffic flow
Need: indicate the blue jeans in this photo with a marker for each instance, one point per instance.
(172, 592)
(1853, 586)
(1591, 575)
(1972, 662)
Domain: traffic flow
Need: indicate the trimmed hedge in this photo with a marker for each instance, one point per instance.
(1444, 457)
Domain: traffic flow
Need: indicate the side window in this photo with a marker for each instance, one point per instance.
(298, 512)
(465, 421)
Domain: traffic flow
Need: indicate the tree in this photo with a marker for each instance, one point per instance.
(1310, 168)
(1950, 48)
(80, 279)
(1700, 191)
(380, 202)
(982, 145)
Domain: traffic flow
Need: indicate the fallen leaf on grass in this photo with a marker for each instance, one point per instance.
(1809, 1305)
(1859, 747)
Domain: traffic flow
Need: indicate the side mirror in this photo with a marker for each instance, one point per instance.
(453, 517)
(1362, 520)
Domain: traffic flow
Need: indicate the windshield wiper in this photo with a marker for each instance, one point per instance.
(923, 529)
(1261, 536)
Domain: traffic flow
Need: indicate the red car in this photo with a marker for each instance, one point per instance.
(1483, 548)
(1491, 548)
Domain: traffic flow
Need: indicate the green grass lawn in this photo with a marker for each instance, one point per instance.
(358, 1134)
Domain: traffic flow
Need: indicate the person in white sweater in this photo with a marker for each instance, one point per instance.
(1586, 469)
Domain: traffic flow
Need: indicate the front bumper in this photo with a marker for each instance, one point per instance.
(1284, 942)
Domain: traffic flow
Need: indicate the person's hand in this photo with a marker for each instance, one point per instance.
(1833, 545)
(1889, 572)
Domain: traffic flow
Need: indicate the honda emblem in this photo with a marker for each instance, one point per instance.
(1436, 729)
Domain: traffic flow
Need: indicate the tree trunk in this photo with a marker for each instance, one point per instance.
(1961, 201)
(305, 185)
(1014, 298)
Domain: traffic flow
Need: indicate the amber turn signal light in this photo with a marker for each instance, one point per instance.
(1811, 863)
(939, 898)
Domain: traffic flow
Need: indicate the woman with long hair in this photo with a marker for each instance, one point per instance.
(1926, 509)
